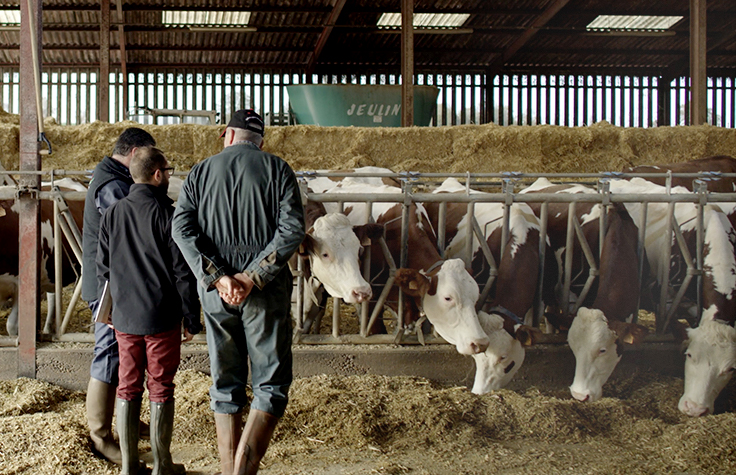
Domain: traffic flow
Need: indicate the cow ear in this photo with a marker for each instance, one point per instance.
(368, 232)
(411, 282)
(307, 246)
(432, 285)
(629, 333)
(526, 335)
(679, 331)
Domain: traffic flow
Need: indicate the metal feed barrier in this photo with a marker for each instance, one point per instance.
(414, 186)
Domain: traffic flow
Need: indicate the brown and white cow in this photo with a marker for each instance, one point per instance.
(710, 362)
(717, 164)
(9, 252)
(456, 320)
(516, 284)
(597, 335)
(711, 350)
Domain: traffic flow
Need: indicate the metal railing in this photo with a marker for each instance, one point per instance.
(415, 189)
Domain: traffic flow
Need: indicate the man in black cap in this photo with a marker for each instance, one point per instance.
(238, 220)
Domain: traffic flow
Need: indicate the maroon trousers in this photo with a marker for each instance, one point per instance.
(158, 355)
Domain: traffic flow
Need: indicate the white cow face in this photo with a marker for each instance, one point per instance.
(710, 362)
(496, 367)
(448, 300)
(596, 354)
(334, 250)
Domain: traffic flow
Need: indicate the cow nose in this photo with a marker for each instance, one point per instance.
(479, 346)
(362, 295)
(580, 396)
(695, 410)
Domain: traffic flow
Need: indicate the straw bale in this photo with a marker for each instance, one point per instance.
(457, 149)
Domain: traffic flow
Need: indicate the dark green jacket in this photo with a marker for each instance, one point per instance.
(239, 211)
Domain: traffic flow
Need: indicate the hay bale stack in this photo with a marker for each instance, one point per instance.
(477, 148)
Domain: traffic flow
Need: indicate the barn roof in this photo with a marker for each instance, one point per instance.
(343, 36)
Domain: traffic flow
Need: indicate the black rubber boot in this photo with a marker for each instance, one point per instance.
(128, 422)
(162, 425)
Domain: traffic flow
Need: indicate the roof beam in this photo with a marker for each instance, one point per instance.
(326, 32)
(681, 67)
(539, 22)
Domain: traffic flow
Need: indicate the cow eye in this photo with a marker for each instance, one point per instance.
(689, 355)
(448, 299)
(325, 255)
(601, 351)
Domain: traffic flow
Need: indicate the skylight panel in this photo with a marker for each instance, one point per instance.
(206, 18)
(633, 22)
(9, 17)
(425, 20)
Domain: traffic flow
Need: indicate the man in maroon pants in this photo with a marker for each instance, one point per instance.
(152, 291)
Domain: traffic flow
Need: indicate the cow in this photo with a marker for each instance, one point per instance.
(710, 362)
(9, 252)
(716, 164)
(457, 323)
(711, 350)
(598, 334)
(333, 246)
(515, 285)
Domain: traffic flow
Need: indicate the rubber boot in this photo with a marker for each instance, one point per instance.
(229, 427)
(129, 413)
(254, 442)
(100, 408)
(162, 425)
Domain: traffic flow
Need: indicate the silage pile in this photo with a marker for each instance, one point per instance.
(44, 429)
(477, 148)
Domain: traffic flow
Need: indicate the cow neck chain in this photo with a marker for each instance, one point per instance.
(506, 312)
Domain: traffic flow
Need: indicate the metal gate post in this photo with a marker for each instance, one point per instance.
(29, 225)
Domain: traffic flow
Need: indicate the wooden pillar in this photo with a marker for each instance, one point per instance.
(123, 59)
(664, 101)
(29, 225)
(407, 63)
(698, 76)
(104, 79)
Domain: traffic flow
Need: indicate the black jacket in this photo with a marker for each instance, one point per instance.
(151, 284)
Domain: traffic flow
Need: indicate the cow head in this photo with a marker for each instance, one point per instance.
(333, 246)
(598, 347)
(448, 299)
(495, 367)
(710, 361)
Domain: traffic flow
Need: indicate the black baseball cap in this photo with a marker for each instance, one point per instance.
(247, 119)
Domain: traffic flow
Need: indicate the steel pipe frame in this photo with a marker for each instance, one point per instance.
(701, 198)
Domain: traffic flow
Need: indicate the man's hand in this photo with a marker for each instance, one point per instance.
(187, 336)
(231, 290)
(245, 281)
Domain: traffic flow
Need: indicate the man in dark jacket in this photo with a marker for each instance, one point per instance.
(152, 290)
(238, 220)
(111, 182)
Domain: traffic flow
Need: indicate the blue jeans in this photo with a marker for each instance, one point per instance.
(106, 359)
(259, 328)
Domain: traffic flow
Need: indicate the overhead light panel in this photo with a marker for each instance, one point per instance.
(425, 21)
(632, 23)
(203, 20)
(9, 19)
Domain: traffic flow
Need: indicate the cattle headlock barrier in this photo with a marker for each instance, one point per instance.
(502, 188)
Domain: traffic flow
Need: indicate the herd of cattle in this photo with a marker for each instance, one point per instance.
(601, 283)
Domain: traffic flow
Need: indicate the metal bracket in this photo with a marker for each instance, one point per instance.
(25, 190)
